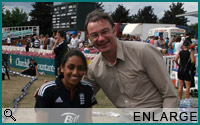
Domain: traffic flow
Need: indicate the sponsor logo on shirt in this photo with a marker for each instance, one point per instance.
(70, 117)
(82, 98)
(59, 100)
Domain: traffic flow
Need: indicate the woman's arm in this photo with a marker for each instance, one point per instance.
(193, 60)
(177, 57)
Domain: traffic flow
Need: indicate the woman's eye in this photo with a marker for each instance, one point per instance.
(80, 68)
(71, 67)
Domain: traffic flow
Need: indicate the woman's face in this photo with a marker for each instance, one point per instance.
(73, 71)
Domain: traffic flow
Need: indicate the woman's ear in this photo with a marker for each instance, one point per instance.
(61, 69)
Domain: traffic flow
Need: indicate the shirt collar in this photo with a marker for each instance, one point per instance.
(120, 53)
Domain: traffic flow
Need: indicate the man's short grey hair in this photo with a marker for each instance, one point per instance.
(95, 16)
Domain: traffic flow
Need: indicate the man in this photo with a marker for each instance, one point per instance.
(74, 42)
(37, 42)
(59, 49)
(8, 40)
(5, 69)
(131, 74)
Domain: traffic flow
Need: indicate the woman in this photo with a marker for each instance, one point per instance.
(67, 91)
(184, 73)
(32, 69)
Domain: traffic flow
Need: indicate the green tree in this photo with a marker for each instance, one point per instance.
(194, 28)
(41, 16)
(19, 17)
(121, 15)
(145, 15)
(170, 15)
(16, 17)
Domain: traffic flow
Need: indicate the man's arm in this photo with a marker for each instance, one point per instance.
(90, 78)
(36, 71)
(54, 46)
(156, 70)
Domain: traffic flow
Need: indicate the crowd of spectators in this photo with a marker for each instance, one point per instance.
(166, 46)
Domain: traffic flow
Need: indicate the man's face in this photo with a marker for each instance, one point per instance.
(102, 35)
(58, 36)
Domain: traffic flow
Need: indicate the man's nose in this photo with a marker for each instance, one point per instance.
(101, 37)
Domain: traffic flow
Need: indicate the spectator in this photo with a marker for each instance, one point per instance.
(5, 69)
(28, 44)
(8, 40)
(59, 49)
(132, 74)
(161, 42)
(19, 44)
(74, 42)
(51, 42)
(32, 69)
(33, 40)
(156, 43)
(37, 42)
(42, 41)
(187, 36)
(177, 44)
(169, 46)
(80, 41)
(152, 40)
(184, 70)
(46, 41)
(68, 37)
(195, 43)
(137, 38)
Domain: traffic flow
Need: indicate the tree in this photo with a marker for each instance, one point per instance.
(121, 15)
(99, 6)
(194, 29)
(170, 15)
(144, 15)
(16, 17)
(41, 16)
(19, 17)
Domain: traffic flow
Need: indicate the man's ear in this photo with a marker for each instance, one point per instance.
(114, 31)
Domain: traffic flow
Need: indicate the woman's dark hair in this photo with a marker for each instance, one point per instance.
(62, 33)
(95, 16)
(75, 53)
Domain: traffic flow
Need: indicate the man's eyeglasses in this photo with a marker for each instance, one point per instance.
(104, 32)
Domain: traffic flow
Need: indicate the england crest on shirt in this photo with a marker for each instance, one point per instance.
(82, 98)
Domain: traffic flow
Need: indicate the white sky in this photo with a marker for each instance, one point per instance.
(159, 7)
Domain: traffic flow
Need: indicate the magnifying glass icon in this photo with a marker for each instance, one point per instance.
(8, 113)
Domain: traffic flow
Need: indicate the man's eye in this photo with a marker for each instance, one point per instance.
(93, 35)
(71, 67)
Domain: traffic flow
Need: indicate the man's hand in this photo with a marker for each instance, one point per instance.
(36, 91)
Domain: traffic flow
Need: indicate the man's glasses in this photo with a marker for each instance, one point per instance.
(95, 36)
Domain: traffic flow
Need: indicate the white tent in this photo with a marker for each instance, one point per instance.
(195, 14)
(133, 29)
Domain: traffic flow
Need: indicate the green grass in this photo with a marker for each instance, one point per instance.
(11, 89)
